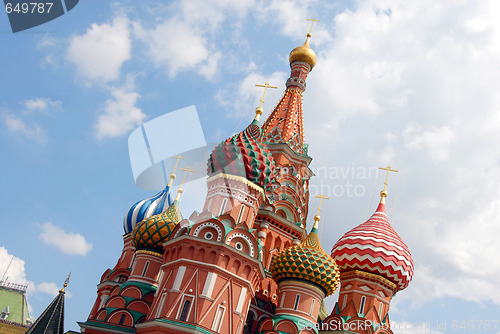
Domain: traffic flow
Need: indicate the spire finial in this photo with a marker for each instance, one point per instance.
(312, 23)
(66, 283)
(172, 175)
(180, 190)
(383, 193)
(259, 110)
(317, 217)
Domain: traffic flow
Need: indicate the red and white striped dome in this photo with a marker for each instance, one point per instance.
(375, 247)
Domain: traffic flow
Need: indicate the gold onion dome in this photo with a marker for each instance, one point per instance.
(151, 233)
(309, 262)
(304, 53)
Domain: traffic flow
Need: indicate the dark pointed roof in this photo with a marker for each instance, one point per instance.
(52, 319)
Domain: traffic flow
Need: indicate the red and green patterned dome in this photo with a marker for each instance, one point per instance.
(307, 261)
(244, 155)
(151, 233)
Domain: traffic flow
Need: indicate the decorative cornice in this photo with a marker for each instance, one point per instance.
(369, 276)
(143, 251)
(236, 178)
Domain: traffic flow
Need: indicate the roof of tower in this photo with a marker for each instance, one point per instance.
(244, 155)
(285, 123)
(52, 319)
(146, 208)
(304, 53)
(151, 233)
(375, 247)
(307, 261)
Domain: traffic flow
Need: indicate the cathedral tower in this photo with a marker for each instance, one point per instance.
(281, 220)
(375, 264)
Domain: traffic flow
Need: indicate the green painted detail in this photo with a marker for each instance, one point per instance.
(186, 325)
(135, 315)
(145, 288)
(16, 301)
(109, 326)
(299, 322)
(244, 155)
(151, 233)
(307, 261)
(275, 137)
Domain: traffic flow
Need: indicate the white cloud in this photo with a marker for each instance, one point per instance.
(176, 46)
(100, 53)
(69, 243)
(247, 96)
(18, 126)
(436, 140)
(120, 114)
(416, 84)
(16, 272)
(187, 38)
(42, 104)
(51, 288)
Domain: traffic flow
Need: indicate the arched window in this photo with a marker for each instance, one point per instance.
(223, 206)
(297, 299)
(242, 209)
(362, 305)
(218, 318)
(312, 307)
(144, 271)
(185, 310)
(122, 319)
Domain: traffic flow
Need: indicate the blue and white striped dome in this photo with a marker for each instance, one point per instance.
(146, 208)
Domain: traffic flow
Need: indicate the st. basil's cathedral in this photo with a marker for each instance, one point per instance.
(247, 263)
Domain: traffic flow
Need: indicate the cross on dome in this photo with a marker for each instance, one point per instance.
(259, 110)
(180, 190)
(383, 193)
(321, 198)
(312, 22)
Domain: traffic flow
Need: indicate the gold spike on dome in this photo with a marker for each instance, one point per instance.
(304, 53)
(65, 283)
(307, 261)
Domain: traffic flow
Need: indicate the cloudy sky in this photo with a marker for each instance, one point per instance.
(410, 84)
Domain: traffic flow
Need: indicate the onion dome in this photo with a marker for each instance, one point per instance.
(375, 247)
(307, 261)
(146, 208)
(304, 53)
(151, 233)
(244, 155)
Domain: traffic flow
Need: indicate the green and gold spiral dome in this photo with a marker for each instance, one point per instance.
(151, 233)
(309, 262)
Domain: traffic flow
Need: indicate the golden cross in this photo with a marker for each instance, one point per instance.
(266, 86)
(313, 20)
(178, 158)
(388, 169)
(186, 170)
(321, 197)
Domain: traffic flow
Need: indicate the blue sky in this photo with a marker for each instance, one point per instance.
(411, 84)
